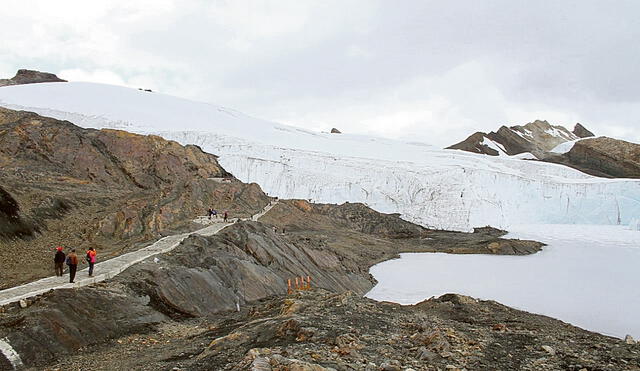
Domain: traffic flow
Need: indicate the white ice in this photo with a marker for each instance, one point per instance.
(587, 276)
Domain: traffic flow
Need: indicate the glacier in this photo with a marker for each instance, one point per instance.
(437, 188)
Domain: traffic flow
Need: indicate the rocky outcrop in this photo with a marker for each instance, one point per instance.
(325, 331)
(582, 132)
(537, 138)
(104, 188)
(244, 263)
(333, 226)
(605, 157)
(335, 131)
(30, 77)
(319, 330)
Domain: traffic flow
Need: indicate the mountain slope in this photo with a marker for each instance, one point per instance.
(430, 186)
(64, 185)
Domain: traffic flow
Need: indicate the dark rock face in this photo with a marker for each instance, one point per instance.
(537, 138)
(103, 188)
(66, 320)
(244, 263)
(11, 224)
(30, 77)
(335, 131)
(603, 156)
(582, 132)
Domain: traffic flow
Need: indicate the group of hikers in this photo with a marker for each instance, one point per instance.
(214, 213)
(71, 260)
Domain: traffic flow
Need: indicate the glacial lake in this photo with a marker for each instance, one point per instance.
(587, 275)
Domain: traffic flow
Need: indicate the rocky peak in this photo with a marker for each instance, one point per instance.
(582, 132)
(24, 76)
(537, 137)
(335, 131)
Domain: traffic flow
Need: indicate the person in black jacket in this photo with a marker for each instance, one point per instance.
(58, 261)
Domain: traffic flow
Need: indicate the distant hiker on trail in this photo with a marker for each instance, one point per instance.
(226, 215)
(214, 213)
(58, 261)
(91, 259)
(209, 213)
(72, 262)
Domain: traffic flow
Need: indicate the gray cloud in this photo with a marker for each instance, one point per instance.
(428, 70)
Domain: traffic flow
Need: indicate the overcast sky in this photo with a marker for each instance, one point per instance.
(427, 70)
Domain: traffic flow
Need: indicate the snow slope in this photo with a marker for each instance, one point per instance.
(437, 188)
(565, 147)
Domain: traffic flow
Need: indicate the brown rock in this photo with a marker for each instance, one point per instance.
(582, 132)
(30, 77)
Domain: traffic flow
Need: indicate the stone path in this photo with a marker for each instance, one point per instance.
(112, 267)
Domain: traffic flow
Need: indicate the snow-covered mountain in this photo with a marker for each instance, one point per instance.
(437, 188)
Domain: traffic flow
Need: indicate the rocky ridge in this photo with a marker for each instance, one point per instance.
(602, 156)
(24, 76)
(537, 138)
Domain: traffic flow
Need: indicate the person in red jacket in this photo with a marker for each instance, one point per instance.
(91, 259)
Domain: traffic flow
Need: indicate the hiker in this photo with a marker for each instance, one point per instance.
(214, 213)
(72, 262)
(209, 213)
(226, 215)
(58, 261)
(91, 259)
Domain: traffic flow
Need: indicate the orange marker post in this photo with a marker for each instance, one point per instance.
(303, 286)
(289, 290)
(308, 282)
(297, 284)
